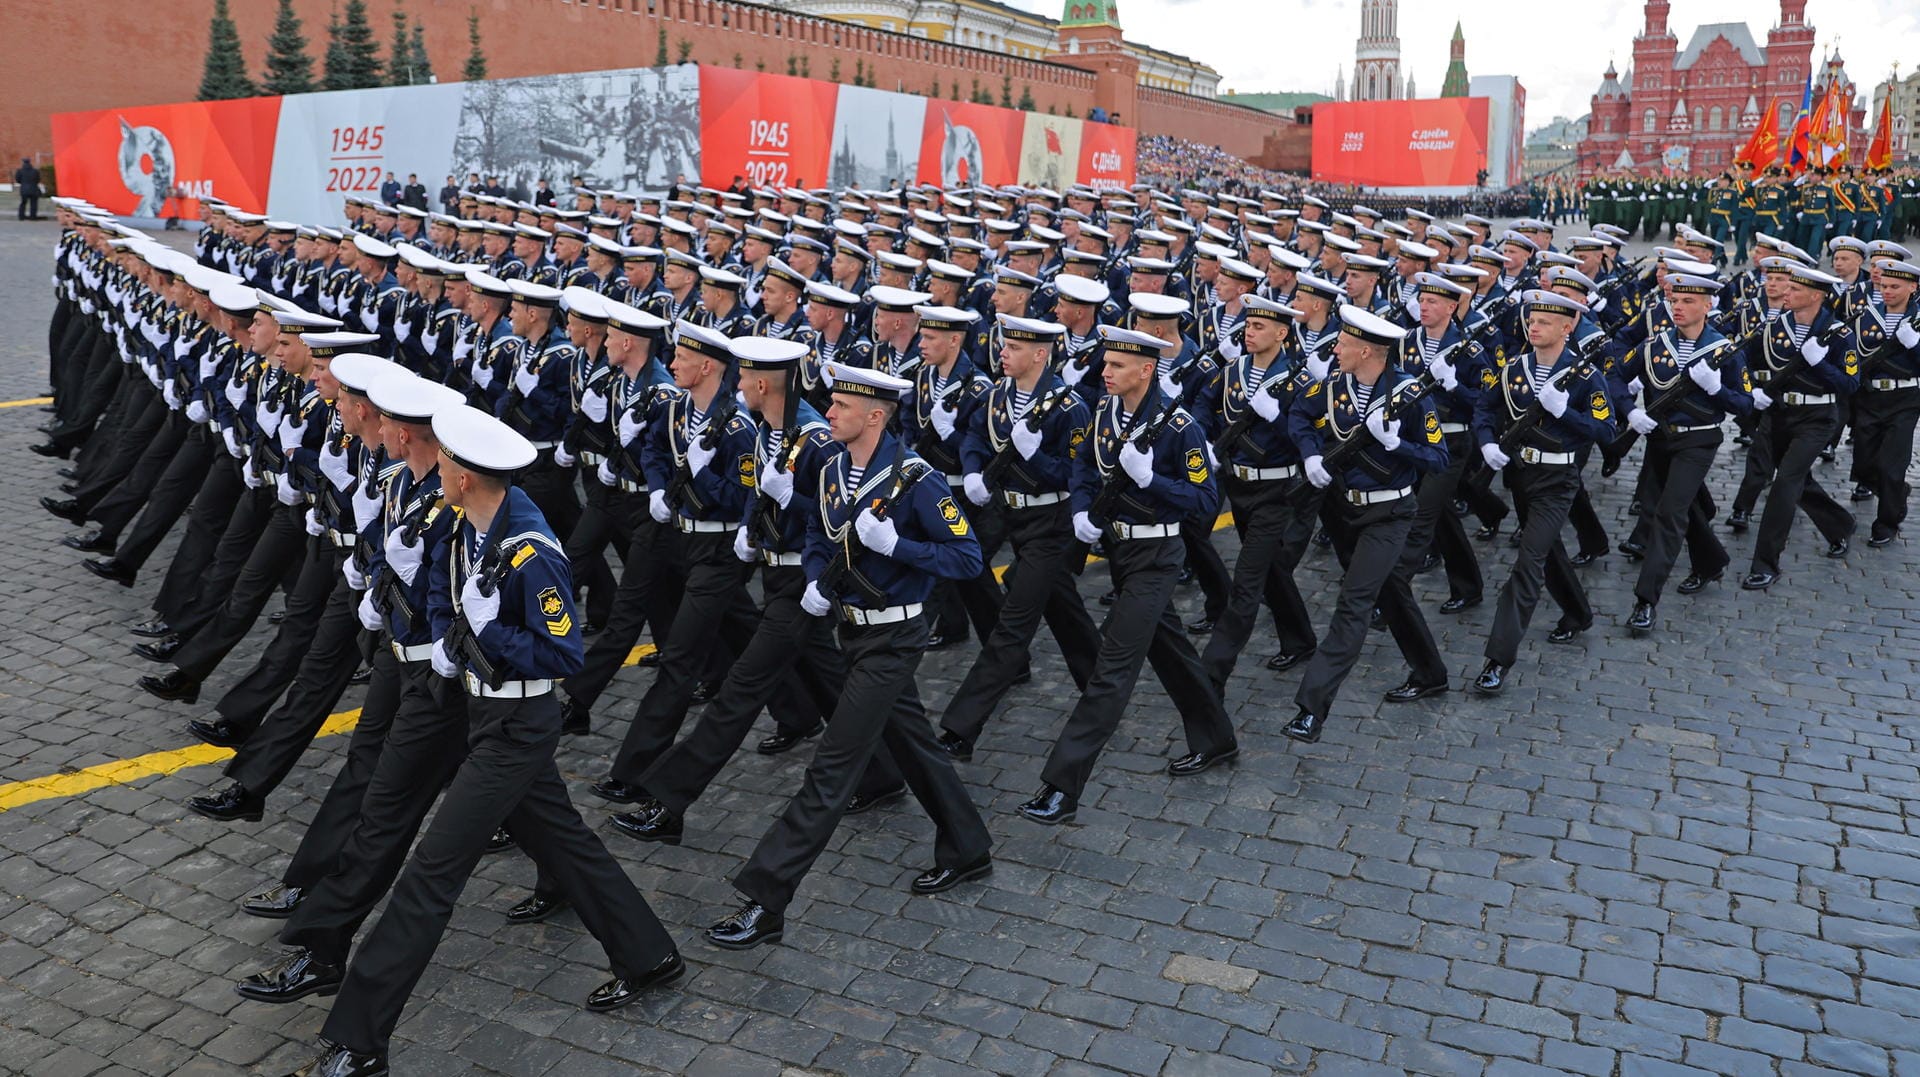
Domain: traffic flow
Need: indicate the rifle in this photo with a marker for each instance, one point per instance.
(1112, 491)
(1585, 359)
(1335, 459)
(461, 641)
(680, 489)
(763, 525)
(840, 573)
(393, 591)
(1670, 397)
(1003, 461)
(1887, 348)
(1229, 438)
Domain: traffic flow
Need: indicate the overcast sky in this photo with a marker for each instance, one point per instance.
(1558, 50)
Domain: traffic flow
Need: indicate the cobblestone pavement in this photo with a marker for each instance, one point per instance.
(1691, 854)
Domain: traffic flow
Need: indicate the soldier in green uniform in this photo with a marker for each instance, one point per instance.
(1629, 200)
(1847, 198)
(1771, 203)
(1743, 210)
(1723, 198)
(1816, 211)
(1679, 205)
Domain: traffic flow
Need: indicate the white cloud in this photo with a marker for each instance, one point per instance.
(1558, 51)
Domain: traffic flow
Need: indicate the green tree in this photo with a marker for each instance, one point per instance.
(476, 68)
(359, 53)
(333, 70)
(225, 73)
(289, 68)
(738, 60)
(399, 63)
(684, 47)
(834, 71)
(859, 72)
(1026, 99)
(793, 65)
(660, 58)
(1006, 91)
(417, 54)
(806, 66)
(953, 90)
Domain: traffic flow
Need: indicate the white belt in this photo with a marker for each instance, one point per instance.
(688, 527)
(419, 652)
(591, 459)
(1453, 428)
(1535, 456)
(543, 446)
(507, 689)
(1674, 428)
(339, 538)
(1143, 531)
(1376, 497)
(956, 481)
(629, 486)
(1032, 501)
(1265, 474)
(1805, 398)
(1884, 384)
(781, 560)
(853, 615)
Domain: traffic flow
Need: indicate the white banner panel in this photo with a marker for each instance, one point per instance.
(345, 142)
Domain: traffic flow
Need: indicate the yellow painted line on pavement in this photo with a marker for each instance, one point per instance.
(28, 402)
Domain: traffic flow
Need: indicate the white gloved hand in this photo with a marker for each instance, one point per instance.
(483, 375)
(1083, 528)
(209, 364)
(171, 394)
(247, 476)
(405, 557)
(699, 455)
(1072, 371)
(563, 458)
(1907, 335)
(605, 474)
(1317, 473)
(943, 420)
(355, 578)
(284, 491)
(370, 618)
(1703, 375)
(593, 402)
(1412, 305)
(976, 488)
(813, 602)
(526, 379)
(236, 393)
(1137, 463)
(443, 663)
(1815, 352)
(1026, 441)
(462, 347)
(742, 546)
(1761, 401)
(1386, 432)
(876, 534)
(1319, 366)
(1169, 379)
(313, 523)
(196, 411)
(630, 426)
(1495, 459)
(777, 483)
(292, 434)
(1444, 372)
(480, 610)
(366, 506)
(657, 507)
(1597, 305)
(333, 465)
(1641, 423)
(1553, 398)
(269, 416)
(1265, 404)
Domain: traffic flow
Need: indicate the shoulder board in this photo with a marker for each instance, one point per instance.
(737, 423)
(525, 538)
(1180, 419)
(913, 469)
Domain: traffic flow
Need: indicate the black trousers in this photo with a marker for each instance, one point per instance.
(1369, 541)
(114, 506)
(1482, 501)
(136, 434)
(1882, 449)
(1436, 528)
(230, 613)
(880, 705)
(1040, 585)
(279, 738)
(1587, 528)
(508, 776)
(210, 580)
(1274, 532)
(29, 207)
(101, 380)
(1543, 495)
(130, 394)
(1140, 625)
(196, 464)
(1799, 435)
(1209, 571)
(308, 601)
(786, 639)
(601, 523)
(649, 594)
(424, 744)
(715, 612)
(551, 489)
(333, 824)
(954, 604)
(67, 355)
(1670, 508)
(1759, 465)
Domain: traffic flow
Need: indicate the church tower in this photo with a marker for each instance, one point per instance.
(1455, 84)
(1376, 66)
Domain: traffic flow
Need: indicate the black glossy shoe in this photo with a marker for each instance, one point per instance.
(1634, 550)
(575, 719)
(65, 507)
(536, 908)
(648, 660)
(940, 641)
(276, 902)
(862, 803)
(619, 991)
(1108, 598)
(746, 927)
(1882, 541)
(942, 879)
(1759, 581)
(957, 746)
(705, 691)
(336, 1061)
(500, 842)
(1198, 762)
(69, 488)
(1862, 492)
(1427, 564)
(1827, 456)
(1201, 627)
(1487, 532)
(1567, 633)
(1413, 690)
(277, 617)
(1305, 727)
(1376, 620)
(1586, 557)
(153, 629)
(1050, 806)
(1286, 660)
(109, 569)
(362, 674)
(49, 448)
(1457, 605)
(160, 650)
(651, 821)
(229, 804)
(69, 473)
(220, 733)
(1739, 519)
(1839, 549)
(1695, 582)
(1025, 676)
(1513, 538)
(1185, 578)
(1322, 540)
(615, 790)
(1492, 678)
(783, 740)
(592, 629)
(89, 542)
(173, 686)
(1640, 622)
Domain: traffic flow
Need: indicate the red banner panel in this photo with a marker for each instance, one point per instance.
(965, 143)
(1106, 156)
(1437, 143)
(160, 160)
(776, 130)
